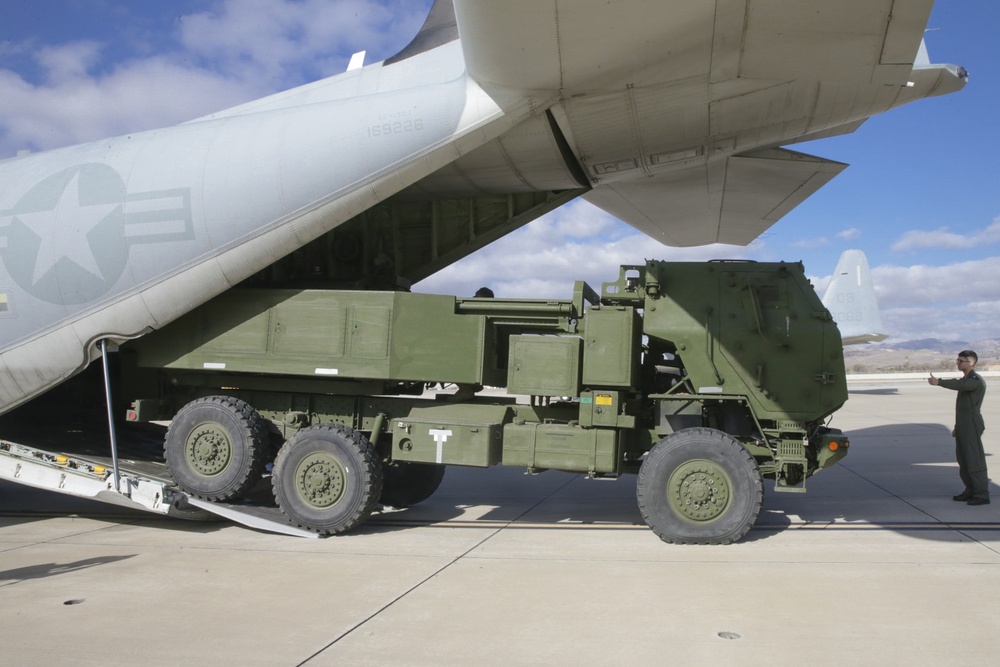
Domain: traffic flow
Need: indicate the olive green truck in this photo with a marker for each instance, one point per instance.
(703, 379)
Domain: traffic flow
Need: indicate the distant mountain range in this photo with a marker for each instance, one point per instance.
(985, 347)
(918, 355)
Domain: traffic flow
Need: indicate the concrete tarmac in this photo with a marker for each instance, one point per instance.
(874, 565)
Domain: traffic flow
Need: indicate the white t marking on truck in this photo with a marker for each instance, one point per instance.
(440, 437)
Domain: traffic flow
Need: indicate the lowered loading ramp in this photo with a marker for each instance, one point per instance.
(133, 476)
(94, 478)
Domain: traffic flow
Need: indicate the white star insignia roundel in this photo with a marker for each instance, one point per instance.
(63, 231)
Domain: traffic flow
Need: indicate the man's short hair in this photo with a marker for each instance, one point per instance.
(969, 354)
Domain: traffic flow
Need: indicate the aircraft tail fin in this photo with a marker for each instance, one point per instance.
(439, 28)
(850, 298)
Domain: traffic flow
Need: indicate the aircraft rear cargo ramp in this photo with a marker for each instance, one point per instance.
(142, 484)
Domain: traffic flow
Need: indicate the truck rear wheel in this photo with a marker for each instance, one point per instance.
(215, 448)
(410, 483)
(699, 486)
(327, 478)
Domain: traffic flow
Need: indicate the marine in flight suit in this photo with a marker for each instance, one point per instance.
(969, 427)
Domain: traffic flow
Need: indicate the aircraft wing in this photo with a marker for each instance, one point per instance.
(584, 45)
(734, 200)
(682, 147)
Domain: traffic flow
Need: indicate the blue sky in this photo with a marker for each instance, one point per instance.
(920, 197)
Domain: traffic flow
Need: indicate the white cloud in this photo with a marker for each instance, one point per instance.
(851, 234)
(943, 239)
(72, 107)
(952, 302)
(575, 242)
(70, 61)
(960, 283)
(264, 39)
(944, 323)
(946, 302)
(245, 50)
(811, 244)
(820, 284)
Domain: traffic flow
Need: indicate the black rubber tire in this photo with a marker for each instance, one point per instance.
(215, 448)
(407, 484)
(327, 478)
(699, 486)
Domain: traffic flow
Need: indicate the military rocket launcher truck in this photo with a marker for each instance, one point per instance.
(701, 378)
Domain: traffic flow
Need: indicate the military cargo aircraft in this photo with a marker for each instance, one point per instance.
(850, 298)
(672, 116)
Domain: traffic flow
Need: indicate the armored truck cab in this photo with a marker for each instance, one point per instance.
(702, 378)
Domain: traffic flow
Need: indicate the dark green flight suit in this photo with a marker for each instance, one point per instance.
(969, 427)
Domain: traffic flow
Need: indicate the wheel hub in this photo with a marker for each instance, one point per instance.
(699, 491)
(208, 449)
(319, 480)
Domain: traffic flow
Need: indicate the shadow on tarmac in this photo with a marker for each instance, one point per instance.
(884, 391)
(897, 477)
(19, 574)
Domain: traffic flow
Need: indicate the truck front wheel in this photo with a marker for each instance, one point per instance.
(327, 478)
(215, 448)
(699, 486)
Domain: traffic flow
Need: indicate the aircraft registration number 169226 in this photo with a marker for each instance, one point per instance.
(397, 127)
